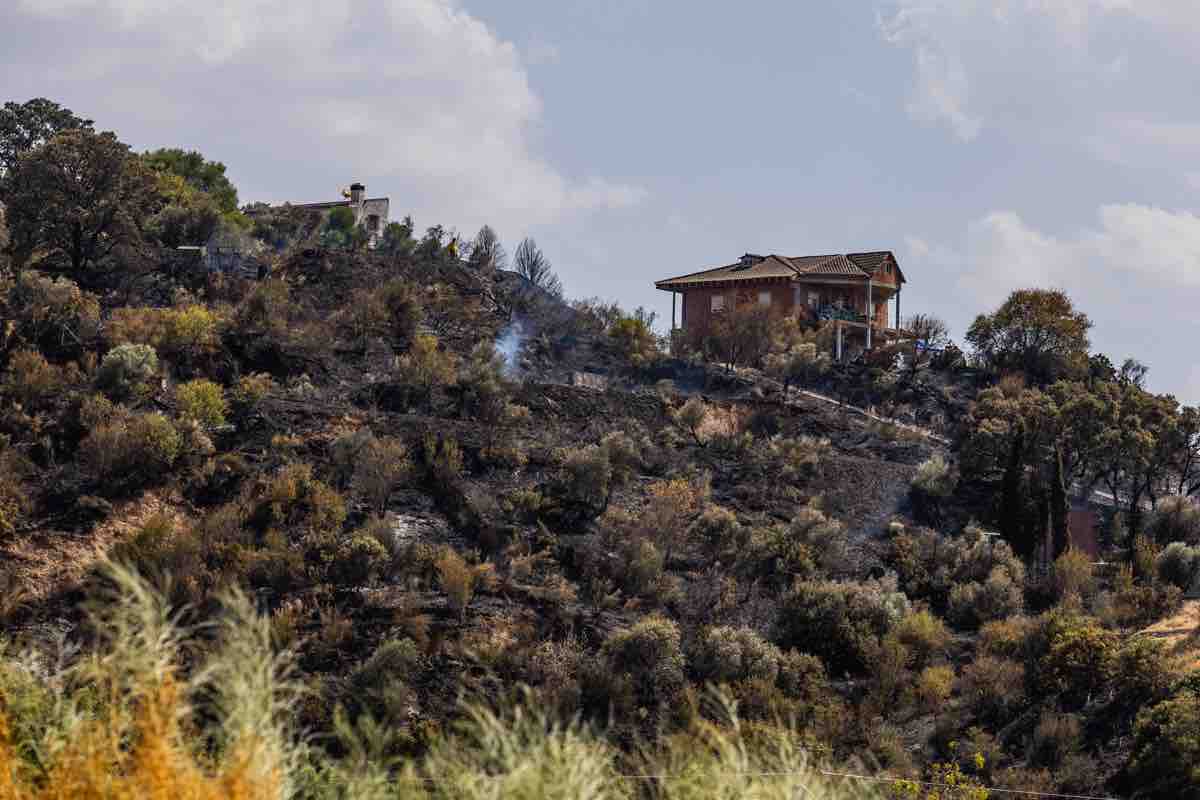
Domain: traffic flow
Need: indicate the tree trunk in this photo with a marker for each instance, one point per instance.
(1060, 506)
(1010, 501)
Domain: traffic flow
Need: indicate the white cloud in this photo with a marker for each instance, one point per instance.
(1040, 64)
(415, 97)
(1135, 271)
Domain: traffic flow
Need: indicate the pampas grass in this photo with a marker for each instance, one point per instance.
(146, 714)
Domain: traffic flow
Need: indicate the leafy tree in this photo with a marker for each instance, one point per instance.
(1138, 445)
(1166, 748)
(202, 175)
(929, 333)
(1036, 332)
(1030, 446)
(398, 238)
(532, 264)
(487, 253)
(77, 198)
(187, 216)
(26, 126)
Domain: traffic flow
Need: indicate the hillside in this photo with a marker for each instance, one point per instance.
(447, 493)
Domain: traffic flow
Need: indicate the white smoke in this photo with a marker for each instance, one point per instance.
(508, 345)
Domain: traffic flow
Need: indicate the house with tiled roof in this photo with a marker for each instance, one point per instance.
(852, 290)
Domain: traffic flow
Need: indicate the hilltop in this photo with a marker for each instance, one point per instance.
(438, 480)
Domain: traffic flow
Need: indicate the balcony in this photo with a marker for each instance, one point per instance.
(834, 312)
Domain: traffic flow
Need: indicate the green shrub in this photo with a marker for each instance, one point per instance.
(984, 576)
(972, 604)
(201, 401)
(127, 371)
(1177, 564)
(131, 447)
(648, 655)
(934, 477)
(840, 622)
(624, 456)
(584, 480)
(426, 368)
(1165, 761)
(357, 559)
(1175, 519)
(1143, 674)
(295, 499)
(726, 654)
(1080, 660)
(802, 676)
(719, 531)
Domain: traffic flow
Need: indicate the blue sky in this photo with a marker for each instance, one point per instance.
(991, 145)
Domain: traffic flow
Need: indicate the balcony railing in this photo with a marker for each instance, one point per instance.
(842, 313)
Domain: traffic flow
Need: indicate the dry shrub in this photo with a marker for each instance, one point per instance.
(1007, 638)
(379, 468)
(670, 506)
(14, 500)
(426, 368)
(1072, 574)
(141, 741)
(993, 688)
(31, 379)
(924, 635)
(725, 654)
(932, 688)
(1055, 737)
(457, 579)
(250, 391)
(131, 449)
(690, 418)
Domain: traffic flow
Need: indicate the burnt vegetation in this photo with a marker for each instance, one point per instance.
(420, 518)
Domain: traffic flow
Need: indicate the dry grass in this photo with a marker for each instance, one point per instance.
(1180, 633)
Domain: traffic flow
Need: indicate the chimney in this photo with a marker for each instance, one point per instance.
(358, 193)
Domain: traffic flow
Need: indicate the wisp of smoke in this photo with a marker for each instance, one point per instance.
(508, 344)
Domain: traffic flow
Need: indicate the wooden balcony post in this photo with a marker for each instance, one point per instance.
(870, 314)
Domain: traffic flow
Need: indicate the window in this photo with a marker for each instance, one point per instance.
(764, 298)
(718, 303)
(814, 299)
(373, 223)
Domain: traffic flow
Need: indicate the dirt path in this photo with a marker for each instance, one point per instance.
(47, 562)
(1180, 632)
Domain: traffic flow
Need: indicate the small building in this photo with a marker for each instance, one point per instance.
(851, 290)
(370, 213)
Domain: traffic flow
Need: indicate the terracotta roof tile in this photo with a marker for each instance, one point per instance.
(852, 265)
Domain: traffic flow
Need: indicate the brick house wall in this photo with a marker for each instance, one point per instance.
(786, 298)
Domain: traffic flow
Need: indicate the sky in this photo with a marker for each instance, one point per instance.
(991, 144)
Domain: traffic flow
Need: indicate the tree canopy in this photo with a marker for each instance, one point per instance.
(1037, 332)
(26, 126)
(76, 199)
(200, 174)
